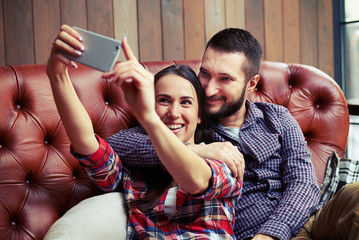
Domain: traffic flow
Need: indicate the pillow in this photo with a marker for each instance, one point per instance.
(339, 172)
(99, 217)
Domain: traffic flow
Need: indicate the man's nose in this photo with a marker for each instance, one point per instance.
(211, 88)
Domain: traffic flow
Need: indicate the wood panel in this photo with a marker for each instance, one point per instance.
(100, 17)
(325, 37)
(150, 31)
(2, 37)
(18, 31)
(46, 27)
(291, 31)
(194, 32)
(214, 17)
(74, 13)
(255, 20)
(125, 22)
(172, 25)
(273, 30)
(309, 32)
(235, 14)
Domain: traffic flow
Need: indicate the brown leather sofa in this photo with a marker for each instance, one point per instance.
(40, 180)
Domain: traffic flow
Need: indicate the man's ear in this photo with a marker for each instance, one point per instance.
(252, 83)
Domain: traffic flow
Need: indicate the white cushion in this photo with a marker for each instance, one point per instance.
(100, 217)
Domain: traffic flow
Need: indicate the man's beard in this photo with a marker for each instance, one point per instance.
(227, 109)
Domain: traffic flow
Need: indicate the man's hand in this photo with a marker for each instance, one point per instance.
(225, 152)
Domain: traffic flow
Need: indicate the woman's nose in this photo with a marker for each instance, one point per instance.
(174, 111)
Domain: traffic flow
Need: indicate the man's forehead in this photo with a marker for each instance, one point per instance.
(220, 62)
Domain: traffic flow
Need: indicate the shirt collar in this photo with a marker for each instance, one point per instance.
(253, 114)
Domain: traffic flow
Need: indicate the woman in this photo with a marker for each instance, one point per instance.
(192, 197)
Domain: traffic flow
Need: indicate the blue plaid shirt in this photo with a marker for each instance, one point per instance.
(280, 191)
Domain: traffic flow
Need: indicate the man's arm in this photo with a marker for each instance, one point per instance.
(301, 194)
(135, 150)
(224, 152)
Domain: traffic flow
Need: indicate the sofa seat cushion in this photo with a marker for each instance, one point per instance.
(93, 218)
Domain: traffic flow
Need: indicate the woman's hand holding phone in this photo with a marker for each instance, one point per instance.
(69, 41)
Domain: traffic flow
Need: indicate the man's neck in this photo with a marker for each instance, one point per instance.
(235, 120)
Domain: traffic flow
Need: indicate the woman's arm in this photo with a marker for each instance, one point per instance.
(75, 119)
(190, 171)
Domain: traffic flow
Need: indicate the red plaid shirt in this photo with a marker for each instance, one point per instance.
(206, 216)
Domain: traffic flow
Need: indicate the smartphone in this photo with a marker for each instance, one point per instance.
(101, 52)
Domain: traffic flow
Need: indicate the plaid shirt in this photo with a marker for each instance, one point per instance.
(206, 216)
(340, 172)
(280, 191)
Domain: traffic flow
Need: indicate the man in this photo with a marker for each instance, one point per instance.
(280, 190)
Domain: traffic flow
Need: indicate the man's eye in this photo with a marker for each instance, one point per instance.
(204, 74)
(225, 79)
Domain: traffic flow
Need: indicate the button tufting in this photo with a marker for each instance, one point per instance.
(106, 103)
(18, 106)
(317, 106)
(46, 142)
(13, 223)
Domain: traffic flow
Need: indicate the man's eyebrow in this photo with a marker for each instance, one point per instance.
(226, 74)
(222, 74)
(202, 69)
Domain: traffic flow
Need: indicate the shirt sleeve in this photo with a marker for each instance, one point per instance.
(301, 193)
(134, 148)
(222, 183)
(103, 167)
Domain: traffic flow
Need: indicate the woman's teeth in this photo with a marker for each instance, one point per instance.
(174, 126)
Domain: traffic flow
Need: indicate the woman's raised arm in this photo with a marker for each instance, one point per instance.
(74, 117)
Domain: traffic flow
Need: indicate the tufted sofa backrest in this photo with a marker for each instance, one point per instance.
(40, 180)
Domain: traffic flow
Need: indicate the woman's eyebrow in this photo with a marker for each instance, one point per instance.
(187, 97)
(163, 95)
(168, 96)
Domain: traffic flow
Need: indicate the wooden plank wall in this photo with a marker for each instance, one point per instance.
(298, 31)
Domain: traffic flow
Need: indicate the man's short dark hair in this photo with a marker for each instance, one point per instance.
(232, 40)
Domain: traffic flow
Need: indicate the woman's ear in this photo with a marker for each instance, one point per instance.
(252, 83)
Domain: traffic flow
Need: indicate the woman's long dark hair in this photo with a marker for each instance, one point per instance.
(158, 179)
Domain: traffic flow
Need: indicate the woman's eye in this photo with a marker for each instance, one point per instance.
(163, 100)
(186, 102)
